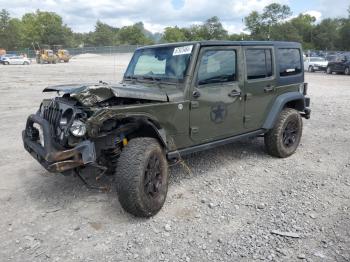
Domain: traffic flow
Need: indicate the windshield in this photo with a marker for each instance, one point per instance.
(161, 63)
(317, 59)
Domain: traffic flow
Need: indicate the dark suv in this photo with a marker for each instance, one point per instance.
(174, 99)
(340, 65)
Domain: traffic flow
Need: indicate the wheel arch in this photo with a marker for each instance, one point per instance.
(148, 127)
(293, 100)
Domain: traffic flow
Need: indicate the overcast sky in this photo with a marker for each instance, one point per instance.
(81, 15)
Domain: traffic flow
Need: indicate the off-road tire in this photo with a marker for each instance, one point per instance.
(329, 70)
(131, 176)
(347, 71)
(278, 138)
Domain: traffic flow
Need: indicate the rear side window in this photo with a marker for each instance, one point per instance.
(259, 63)
(289, 61)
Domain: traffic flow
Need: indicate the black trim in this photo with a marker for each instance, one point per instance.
(48, 156)
(182, 152)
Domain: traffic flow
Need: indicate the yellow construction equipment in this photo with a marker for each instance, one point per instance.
(44, 55)
(62, 54)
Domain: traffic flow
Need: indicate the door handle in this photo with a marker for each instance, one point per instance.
(234, 93)
(268, 88)
(196, 94)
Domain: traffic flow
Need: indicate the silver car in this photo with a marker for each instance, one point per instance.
(15, 60)
(313, 64)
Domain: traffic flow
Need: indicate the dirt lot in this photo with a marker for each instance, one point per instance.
(231, 205)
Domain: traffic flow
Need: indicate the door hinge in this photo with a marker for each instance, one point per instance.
(194, 104)
(194, 130)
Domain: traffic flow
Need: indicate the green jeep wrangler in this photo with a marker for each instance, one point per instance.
(174, 99)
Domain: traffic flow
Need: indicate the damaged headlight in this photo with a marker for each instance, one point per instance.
(78, 128)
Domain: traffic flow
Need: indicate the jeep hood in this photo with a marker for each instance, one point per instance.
(90, 94)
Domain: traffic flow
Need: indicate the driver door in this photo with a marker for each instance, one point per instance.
(216, 95)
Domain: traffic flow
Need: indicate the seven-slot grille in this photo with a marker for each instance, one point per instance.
(52, 113)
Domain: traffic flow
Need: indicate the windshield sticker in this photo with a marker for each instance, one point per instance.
(183, 50)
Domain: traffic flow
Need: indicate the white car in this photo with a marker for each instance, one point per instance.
(16, 60)
(313, 64)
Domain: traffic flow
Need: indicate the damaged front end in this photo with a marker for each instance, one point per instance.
(62, 135)
(48, 137)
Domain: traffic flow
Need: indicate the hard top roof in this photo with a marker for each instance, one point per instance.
(229, 43)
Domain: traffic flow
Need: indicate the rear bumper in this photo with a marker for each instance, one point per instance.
(307, 110)
(48, 156)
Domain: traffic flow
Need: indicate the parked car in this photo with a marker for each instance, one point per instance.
(313, 64)
(174, 99)
(341, 65)
(3, 57)
(15, 60)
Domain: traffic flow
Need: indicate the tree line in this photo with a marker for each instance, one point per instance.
(275, 22)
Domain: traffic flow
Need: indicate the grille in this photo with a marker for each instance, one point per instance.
(52, 113)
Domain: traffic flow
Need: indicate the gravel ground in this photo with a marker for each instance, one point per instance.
(234, 203)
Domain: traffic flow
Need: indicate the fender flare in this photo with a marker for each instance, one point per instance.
(159, 132)
(279, 104)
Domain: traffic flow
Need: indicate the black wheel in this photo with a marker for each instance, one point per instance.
(283, 140)
(142, 177)
(329, 70)
(6, 63)
(347, 71)
(311, 69)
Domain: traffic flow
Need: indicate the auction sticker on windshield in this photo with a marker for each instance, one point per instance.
(183, 50)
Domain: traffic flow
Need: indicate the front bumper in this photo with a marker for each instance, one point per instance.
(48, 156)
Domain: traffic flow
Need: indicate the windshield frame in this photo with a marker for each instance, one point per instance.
(156, 78)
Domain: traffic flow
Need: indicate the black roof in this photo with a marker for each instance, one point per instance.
(230, 43)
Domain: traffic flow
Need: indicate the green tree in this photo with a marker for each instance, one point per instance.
(173, 34)
(275, 13)
(133, 35)
(285, 32)
(254, 24)
(260, 25)
(326, 34)
(212, 29)
(344, 35)
(44, 28)
(105, 35)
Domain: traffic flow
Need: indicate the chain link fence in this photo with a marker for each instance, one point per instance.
(103, 50)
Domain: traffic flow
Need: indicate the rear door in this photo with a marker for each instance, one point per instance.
(260, 84)
(216, 103)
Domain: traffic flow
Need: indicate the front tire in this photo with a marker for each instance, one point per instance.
(311, 69)
(142, 177)
(283, 140)
(347, 71)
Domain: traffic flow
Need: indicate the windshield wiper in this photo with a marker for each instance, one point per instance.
(149, 77)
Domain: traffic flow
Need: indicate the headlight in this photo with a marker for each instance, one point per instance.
(78, 128)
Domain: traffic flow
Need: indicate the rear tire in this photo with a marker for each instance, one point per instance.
(142, 177)
(311, 69)
(283, 140)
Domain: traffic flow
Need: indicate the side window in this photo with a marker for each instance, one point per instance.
(217, 66)
(259, 63)
(289, 61)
